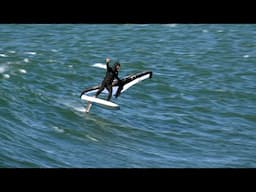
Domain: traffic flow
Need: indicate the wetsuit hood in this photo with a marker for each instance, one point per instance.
(116, 64)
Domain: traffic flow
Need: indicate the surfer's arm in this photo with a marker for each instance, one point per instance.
(107, 63)
(116, 76)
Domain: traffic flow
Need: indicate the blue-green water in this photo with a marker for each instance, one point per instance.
(198, 110)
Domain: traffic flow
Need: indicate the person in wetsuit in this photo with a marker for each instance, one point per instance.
(111, 74)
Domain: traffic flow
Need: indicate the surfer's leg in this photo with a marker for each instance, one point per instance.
(120, 87)
(109, 88)
(100, 90)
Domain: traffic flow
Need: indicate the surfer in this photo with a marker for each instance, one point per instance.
(111, 74)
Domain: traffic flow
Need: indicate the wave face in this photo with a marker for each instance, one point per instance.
(198, 110)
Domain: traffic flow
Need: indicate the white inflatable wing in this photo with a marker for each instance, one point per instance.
(121, 86)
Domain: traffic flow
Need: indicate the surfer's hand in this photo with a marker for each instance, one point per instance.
(107, 60)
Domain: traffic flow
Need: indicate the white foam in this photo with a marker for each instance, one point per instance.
(171, 25)
(80, 109)
(22, 71)
(54, 50)
(100, 65)
(30, 53)
(3, 55)
(88, 136)
(26, 60)
(72, 105)
(246, 56)
(12, 51)
(58, 129)
(2, 69)
(7, 76)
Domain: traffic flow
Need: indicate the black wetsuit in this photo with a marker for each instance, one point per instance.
(111, 74)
